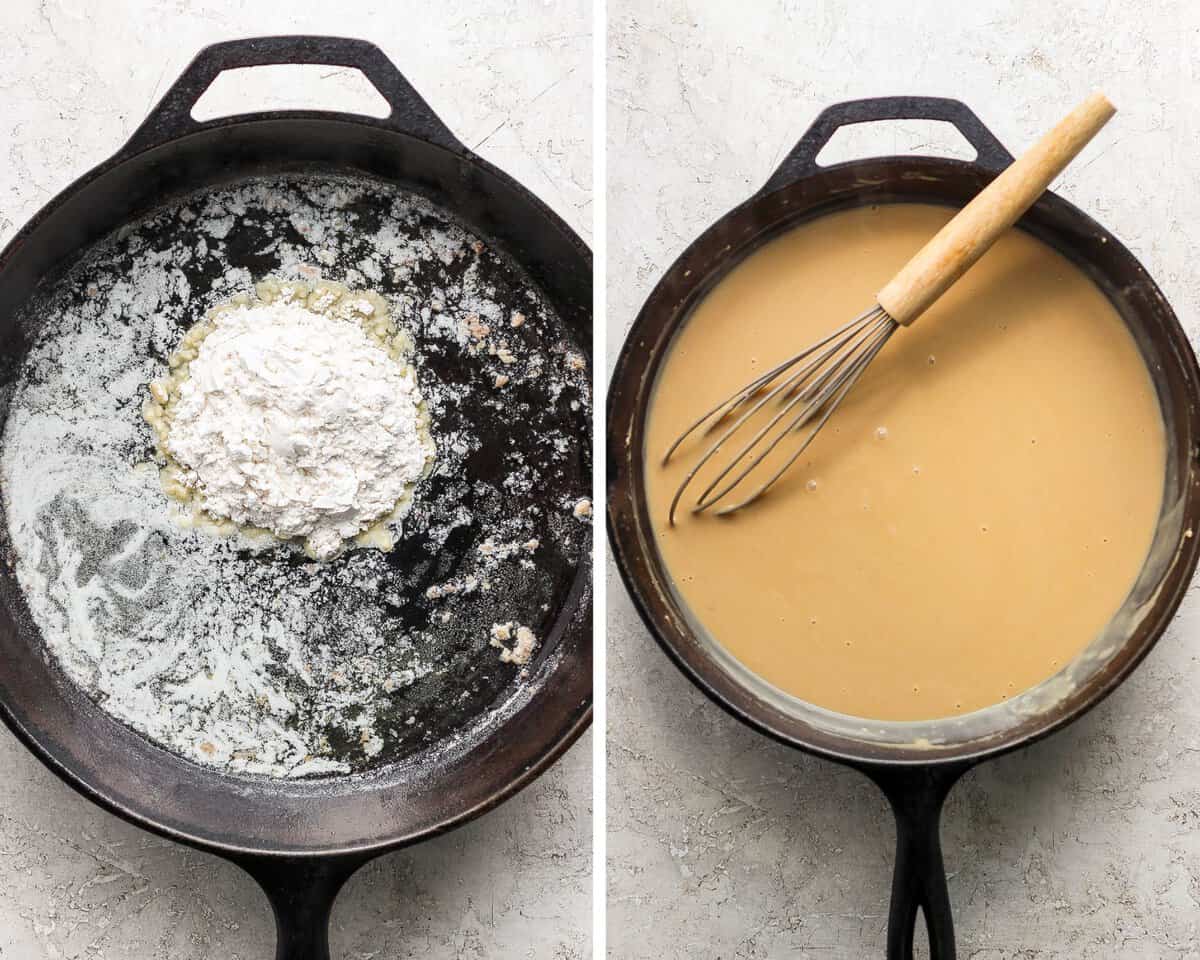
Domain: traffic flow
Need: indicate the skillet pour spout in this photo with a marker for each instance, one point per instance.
(914, 764)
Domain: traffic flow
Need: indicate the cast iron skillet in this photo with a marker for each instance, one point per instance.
(300, 839)
(914, 764)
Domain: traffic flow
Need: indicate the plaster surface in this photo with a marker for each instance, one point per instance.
(725, 845)
(513, 81)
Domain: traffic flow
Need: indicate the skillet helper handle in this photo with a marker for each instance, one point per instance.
(919, 879)
(801, 160)
(172, 117)
(975, 228)
(302, 892)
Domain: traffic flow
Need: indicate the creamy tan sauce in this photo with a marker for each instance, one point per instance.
(972, 516)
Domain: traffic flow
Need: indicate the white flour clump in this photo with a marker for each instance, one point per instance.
(299, 423)
(524, 642)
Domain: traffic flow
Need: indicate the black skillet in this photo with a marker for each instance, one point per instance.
(301, 839)
(915, 765)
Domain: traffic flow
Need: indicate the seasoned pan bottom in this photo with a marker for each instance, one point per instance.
(260, 661)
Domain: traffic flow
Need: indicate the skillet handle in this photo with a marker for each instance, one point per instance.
(172, 117)
(302, 891)
(919, 879)
(801, 161)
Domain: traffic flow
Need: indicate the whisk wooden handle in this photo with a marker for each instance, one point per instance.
(975, 228)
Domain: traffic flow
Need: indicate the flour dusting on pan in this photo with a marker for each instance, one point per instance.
(256, 659)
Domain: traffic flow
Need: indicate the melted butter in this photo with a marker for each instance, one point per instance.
(972, 516)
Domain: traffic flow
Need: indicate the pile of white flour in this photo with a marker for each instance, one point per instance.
(299, 423)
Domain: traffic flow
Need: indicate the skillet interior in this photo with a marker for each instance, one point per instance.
(1082, 683)
(459, 764)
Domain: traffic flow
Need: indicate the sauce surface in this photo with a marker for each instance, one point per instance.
(973, 514)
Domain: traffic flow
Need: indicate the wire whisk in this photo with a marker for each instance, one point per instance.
(810, 386)
(812, 392)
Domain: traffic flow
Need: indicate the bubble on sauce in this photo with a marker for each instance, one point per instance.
(932, 359)
(881, 433)
(811, 485)
(916, 470)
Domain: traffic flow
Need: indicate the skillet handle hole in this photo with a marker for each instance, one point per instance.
(290, 86)
(920, 946)
(923, 138)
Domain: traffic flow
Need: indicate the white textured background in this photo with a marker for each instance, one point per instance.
(512, 80)
(725, 845)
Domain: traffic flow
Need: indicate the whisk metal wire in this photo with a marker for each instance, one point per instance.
(812, 392)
